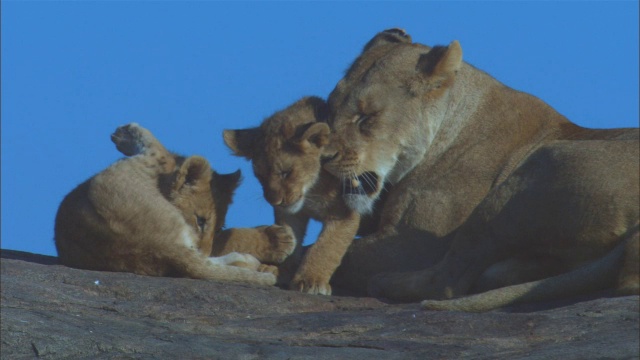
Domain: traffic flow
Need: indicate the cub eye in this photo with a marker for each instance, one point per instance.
(201, 222)
(285, 174)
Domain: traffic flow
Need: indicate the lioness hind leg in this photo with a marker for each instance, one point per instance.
(628, 282)
(515, 271)
(132, 139)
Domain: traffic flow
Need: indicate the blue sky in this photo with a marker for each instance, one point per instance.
(73, 71)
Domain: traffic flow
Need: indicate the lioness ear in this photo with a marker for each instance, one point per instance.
(442, 60)
(193, 172)
(388, 36)
(451, 60)
(242, 142)
(316, 135)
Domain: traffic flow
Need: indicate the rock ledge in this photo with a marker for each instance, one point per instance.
(50, 311)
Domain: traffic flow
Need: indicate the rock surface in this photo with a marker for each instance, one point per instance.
(55, 312)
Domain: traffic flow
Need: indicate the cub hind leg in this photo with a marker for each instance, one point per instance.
(231, 267)
(132, 139)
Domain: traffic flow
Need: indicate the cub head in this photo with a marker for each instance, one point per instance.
(285, 151)
(202, 196)
(386, 111)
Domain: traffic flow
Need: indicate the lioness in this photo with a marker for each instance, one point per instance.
(151, 214)
(286, 151)
(491, 187)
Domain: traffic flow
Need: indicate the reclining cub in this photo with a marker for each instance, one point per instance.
(153, 213)
(286, 151)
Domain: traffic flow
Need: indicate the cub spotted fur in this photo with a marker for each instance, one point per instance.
(151, 214)
(286, 151)
(489, 187)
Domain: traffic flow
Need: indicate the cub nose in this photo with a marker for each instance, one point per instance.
(328, 157)
(273, 198)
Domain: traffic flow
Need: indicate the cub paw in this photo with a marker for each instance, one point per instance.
(271, 269)
(240, 260)
(282, 243)
(132, 139)
(311, 285)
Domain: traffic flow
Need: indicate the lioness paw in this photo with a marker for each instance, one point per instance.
(132, 139)
(282, 242)
(310, 285)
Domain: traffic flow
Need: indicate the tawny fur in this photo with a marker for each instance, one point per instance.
(150, 214)
(286, 151)
(488, 187)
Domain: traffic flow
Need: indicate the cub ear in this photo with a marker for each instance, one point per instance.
(442, 60)
(316, 135)
(320, 107)
(389, 36)
(194, 171)
(226, 183)
(242, 142)
(222, 187)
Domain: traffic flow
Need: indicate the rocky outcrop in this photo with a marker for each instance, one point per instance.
(55, 312)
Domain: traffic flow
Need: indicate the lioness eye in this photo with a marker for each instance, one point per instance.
(363, 120)
(202, 222)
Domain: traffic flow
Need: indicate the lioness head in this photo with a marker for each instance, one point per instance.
(285, 151)
(386, 111)
(202, 196)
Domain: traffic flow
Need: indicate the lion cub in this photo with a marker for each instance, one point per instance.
(150, 214)
(286, 152)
